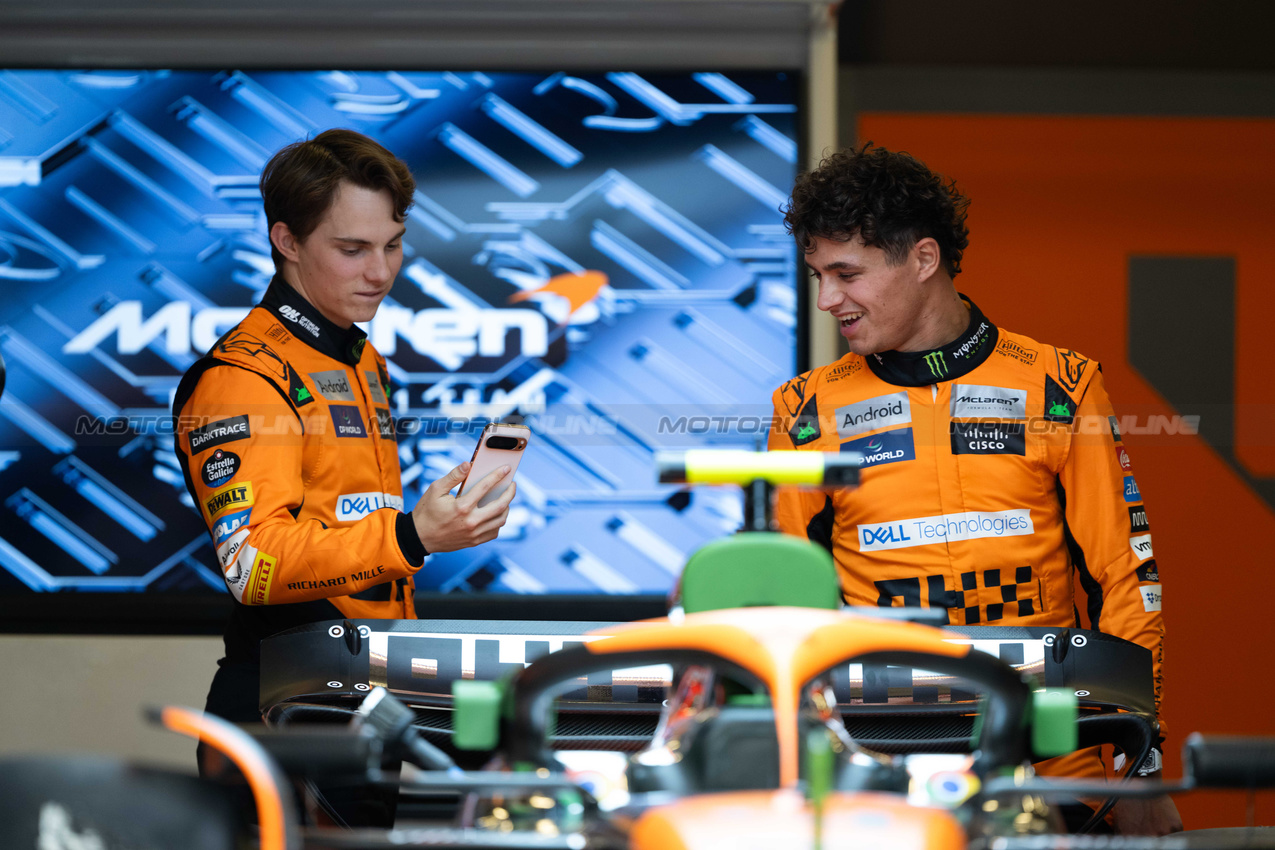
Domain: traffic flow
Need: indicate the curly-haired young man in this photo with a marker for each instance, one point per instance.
(994, 471)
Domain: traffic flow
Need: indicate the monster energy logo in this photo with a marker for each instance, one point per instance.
(938, 368)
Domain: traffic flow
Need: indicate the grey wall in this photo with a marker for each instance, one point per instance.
(85, 694)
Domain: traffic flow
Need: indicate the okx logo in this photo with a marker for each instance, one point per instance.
(937, 363)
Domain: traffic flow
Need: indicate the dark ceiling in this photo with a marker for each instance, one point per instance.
(1197, 35)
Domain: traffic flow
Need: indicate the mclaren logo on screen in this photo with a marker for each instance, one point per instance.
(449, 337)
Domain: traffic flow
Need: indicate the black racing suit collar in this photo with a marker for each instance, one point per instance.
(945, 363)
(310, 326)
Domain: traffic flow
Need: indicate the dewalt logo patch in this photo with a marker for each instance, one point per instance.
(230, 496)
(263, 570)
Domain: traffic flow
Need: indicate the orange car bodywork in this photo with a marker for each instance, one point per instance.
(783, 647)
(784, 818)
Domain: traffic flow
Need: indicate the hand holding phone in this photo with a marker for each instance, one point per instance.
(499, 445)
(445, 522)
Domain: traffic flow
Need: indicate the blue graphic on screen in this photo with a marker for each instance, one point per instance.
(601, 255)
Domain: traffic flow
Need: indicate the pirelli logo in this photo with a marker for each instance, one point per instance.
(263, 570)
(230, 496)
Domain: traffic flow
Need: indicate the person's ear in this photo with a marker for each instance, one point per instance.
(284, 242)
(928, 257)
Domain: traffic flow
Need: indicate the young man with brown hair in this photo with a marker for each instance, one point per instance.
(284, 429)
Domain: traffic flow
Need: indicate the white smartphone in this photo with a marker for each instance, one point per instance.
(499, 445)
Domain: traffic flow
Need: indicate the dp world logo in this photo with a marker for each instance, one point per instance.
(887, 447)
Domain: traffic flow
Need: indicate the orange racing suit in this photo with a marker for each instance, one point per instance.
(994, 470)
(286, 440)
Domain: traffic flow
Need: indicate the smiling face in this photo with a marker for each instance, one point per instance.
(882, 306)
(346, 267)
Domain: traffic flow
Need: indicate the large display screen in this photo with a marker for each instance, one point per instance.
(600, 255)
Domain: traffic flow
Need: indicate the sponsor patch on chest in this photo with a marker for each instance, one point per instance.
(974, 401)
(922, 531)
(348, 420)
(888, 447)
(886, 411)
(333, 385)
(988, 438)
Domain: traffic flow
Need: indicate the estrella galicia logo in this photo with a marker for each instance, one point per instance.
(216, 433)
(936, 363)
(805, 429)
(887, 447)
(1131, 492)
(988, 438)
(1138, 520)
(348, 420)
(220, 468)
(884, 411)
